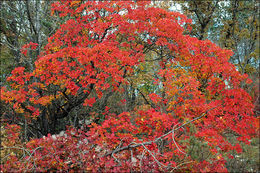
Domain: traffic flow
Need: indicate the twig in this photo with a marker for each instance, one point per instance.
(140, 163)
(157, 161)
(176, 142)
(180, 165)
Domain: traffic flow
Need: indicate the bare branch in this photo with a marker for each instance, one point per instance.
(135, 145)
(175, 143)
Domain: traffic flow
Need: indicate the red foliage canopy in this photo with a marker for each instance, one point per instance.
(97, 48)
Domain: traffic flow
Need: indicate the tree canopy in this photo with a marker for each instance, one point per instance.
(154, 97)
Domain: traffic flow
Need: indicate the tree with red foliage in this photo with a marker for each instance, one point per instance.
(99, 48)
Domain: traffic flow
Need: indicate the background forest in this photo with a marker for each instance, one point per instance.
(28, 26)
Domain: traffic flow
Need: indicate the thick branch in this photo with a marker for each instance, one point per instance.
(29, 16)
